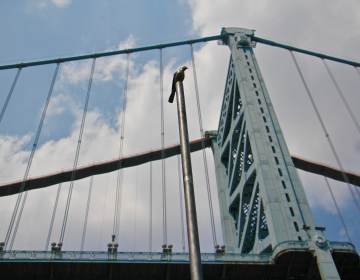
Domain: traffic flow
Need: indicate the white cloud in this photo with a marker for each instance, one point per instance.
(128, 43)
(106, 69)
(61, 3)
(59, 103)
(57, 3)
(75, 72)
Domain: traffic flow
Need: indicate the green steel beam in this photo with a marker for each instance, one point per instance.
(303, 51)
(292, 261)
(99, 168)
(134, 160)
(34, 256)
(326, 170)
(109, 53)
(174, 44)
(262, 200)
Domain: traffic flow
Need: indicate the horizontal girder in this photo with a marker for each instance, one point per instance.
(134, 160)
(293, 260)
(98, 168)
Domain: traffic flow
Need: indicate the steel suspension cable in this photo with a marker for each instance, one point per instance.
(104, 207)
(357, 70)
(86, 214)
(118, 195)
(8, 97)
(77, 153)
(135, 208)
(112, 53)
(150, 206)
(346, 104)
(325, 131)
(15, 214)
(181, 204)
(163, 166)
(338, 210)
(342, 96)
(206, 169)
(47, 242)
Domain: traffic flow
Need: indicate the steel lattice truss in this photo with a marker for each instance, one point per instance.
(262, 200)
(245, 205)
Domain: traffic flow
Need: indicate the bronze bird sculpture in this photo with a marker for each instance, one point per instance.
(179, 75)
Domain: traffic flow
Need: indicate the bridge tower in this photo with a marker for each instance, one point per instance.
(263, 205)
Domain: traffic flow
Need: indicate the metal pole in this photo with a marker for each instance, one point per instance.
(191, 220)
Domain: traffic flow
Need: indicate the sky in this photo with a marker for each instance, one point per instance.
(38, 29)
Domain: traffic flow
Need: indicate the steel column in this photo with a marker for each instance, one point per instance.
(189, 195)
(257, 180)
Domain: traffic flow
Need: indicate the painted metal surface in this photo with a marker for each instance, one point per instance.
(263, 203)
(99, 168)
(174, 44)
(97, 256)
(108, 53)
(189, 194)
(159, 257)
(303, 51)
(137, 159)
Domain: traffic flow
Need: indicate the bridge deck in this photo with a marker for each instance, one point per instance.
(287, 264)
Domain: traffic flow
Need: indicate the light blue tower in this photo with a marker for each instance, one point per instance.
(262, 201)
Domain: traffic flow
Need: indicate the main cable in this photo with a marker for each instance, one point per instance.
(118, 195)
(77, 153)
(8, 97)
(110, 53)
(206, 169)
(86, 214)
(342, 96)
(53, 215)
(325, 131)
(338, 210)
(163, 167)
(28, 166)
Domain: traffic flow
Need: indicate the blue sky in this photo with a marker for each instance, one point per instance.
(34, 29)
(39, 29)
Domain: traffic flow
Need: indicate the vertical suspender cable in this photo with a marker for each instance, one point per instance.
(357, 70)
(28, 166)
(86, 214)
(342, 96)
(338, 210)
(135, 208)
(104, 207)
(181, 204)
(163, 170)
(77, 153)
(346, 104)
(206, 169)
(118, 195)
(52, 217)
(8, 97)
(332, 147)
(150, 210)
